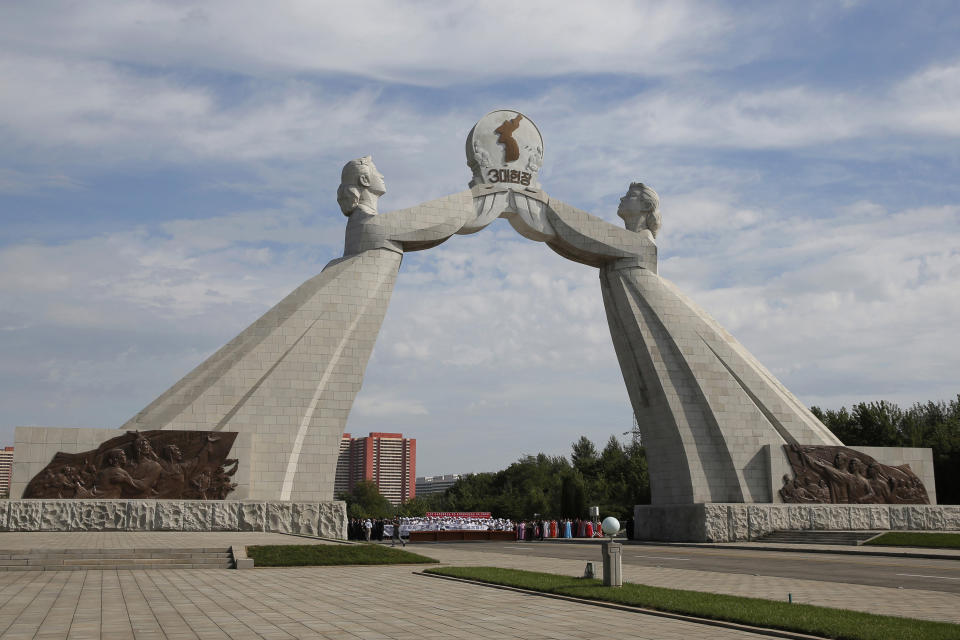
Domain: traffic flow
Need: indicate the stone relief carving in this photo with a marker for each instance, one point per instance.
(506, 148)
(193, 465)
(839, 475)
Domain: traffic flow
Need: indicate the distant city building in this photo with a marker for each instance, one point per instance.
(6, 470)
(436, 484)
(387, 459)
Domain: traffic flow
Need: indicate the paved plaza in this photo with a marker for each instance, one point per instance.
(913, 603)
(340, 602)
(365, 602)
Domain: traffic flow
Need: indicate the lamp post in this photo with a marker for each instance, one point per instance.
(611, 551)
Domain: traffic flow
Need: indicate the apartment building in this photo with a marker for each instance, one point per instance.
(6, 471)
(387, 459)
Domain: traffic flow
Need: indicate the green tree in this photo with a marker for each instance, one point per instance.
(615, 479)
(573, 498)
(884, 424)
(365, 501)
(638, 476)
(415, 507)
(584, 457)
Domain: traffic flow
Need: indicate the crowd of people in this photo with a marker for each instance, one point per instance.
(382, 528)
(454, 523)
(536, 529)
(567, 528)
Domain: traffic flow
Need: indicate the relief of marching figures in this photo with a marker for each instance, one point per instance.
(840, 475)
(190, 465)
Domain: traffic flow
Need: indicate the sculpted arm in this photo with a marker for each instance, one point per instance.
(430, 223)
(594, 241)
(573, 233)
(412, 229)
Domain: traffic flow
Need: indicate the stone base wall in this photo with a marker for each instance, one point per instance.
(732, 522)
(324, 519)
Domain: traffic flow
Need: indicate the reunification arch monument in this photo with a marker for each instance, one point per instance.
(722, 434)
(705, 406)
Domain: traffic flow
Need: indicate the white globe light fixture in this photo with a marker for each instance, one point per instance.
(610, 526)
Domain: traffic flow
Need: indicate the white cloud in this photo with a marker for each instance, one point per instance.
(393, 41)
(191, 268)
(703, 114)
(20, 182)
(490, 334)
(386, 404)
(928, 101)
(489, 338)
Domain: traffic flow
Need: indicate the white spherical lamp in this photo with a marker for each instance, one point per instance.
(610, 526)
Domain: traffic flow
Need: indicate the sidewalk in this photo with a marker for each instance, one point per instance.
(911, 603)
(355, 603)
(20, 540)
(869, 550)
(369, 602)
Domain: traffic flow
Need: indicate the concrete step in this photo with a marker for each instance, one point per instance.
(101, 559)
(847, 538)
(119, 556)
(110, 567)
(141, 552)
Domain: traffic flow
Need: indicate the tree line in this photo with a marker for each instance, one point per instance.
(883, 424)
(616, 478)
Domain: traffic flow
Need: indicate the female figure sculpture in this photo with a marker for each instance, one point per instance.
(707, 409)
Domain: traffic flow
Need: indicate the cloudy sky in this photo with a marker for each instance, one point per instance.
(168, 173)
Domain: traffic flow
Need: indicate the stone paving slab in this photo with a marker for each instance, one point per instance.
(356, 603)
(151, 540)
(367, 602)
(911, 603)
(919, 552)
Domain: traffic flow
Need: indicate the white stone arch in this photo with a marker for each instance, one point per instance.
(712, 417)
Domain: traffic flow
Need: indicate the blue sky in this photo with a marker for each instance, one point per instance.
(168, 172)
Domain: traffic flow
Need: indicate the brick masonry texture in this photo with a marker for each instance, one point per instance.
(717, 522)
(322, 519)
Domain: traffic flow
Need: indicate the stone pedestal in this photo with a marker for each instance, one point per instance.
(612, 566)
(319, 519)
(733, 522)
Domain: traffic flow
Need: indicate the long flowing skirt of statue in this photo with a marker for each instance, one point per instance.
(705, 405)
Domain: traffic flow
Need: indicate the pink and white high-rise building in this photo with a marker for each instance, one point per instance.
(387, 459)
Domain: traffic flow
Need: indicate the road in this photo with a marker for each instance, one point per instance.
(906, 573)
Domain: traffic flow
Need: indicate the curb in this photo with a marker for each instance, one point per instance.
(778, 633)
(309, 537)
(836, 550)
(925, 555)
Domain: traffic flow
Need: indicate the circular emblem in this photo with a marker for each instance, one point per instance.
(505, 148)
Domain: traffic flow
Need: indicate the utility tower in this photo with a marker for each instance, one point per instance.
(634, 432)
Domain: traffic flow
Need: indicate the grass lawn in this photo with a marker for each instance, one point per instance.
(304, 555)
(803, 618)
(912, 539)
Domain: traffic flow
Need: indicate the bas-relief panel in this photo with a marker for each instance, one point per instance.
(723, 522)
(316, 519)
(841, 475)
(189, 465)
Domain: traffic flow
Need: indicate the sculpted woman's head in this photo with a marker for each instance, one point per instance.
(361, 185)
(640, 208)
